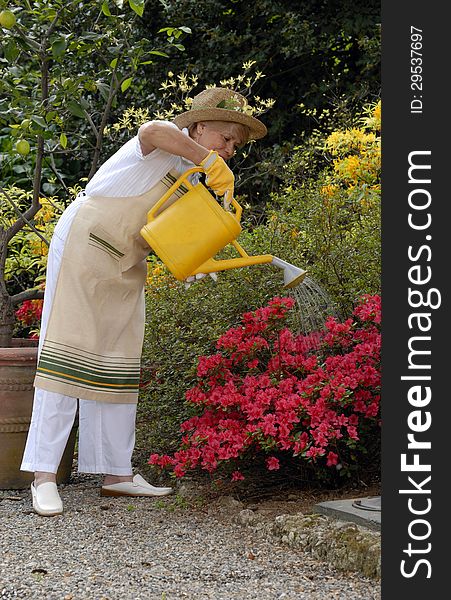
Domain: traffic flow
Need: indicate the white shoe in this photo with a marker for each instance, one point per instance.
(46, 500)
(138, 487)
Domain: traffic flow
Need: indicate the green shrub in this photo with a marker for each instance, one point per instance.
(336, 240)
(331, 222)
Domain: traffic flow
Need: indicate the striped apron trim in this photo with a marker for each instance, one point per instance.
(169, 180)
(59, 362)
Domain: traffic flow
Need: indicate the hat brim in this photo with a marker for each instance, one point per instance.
(257, 129)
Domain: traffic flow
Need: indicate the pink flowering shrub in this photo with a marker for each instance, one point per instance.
(273, 392)
(28, 317)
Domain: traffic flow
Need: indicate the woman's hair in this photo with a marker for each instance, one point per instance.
(238, 129)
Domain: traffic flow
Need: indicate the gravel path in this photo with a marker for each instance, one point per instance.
(152, 549)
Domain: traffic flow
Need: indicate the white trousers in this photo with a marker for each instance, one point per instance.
(106, 435)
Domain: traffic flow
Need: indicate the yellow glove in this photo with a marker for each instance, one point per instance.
(219, 177)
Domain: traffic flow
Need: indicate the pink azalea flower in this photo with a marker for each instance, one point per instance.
(332, 459)
(272, 463)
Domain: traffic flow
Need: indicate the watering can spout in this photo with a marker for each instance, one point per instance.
(292, 276)
(187, 235)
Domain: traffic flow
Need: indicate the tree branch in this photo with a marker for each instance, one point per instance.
(17, 225)
(91, 122)
(114, 86)
(51, 164)
(27, 295)
(3, 255)
(50, 29)
(30, 41)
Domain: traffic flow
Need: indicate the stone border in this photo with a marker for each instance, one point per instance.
(346, 546)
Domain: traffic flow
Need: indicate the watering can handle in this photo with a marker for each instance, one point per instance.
(183, 179)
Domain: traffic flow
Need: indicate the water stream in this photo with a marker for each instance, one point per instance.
(314, 305)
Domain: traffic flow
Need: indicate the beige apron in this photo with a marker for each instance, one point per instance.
(93, 343)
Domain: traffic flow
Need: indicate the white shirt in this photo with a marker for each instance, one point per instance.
(129, 173)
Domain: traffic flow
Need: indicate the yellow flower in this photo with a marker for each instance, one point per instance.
(348, 167)
(46, 213)
(372, 117)
(377, 113)
(248, 64)
(38, 247)
(329, 190)
(334, 139)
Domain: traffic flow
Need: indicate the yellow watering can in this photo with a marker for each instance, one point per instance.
(187, 235)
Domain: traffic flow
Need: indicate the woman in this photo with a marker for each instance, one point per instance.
(93, 316)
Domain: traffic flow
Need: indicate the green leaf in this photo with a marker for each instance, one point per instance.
(75, 108)
(113, 63)
(11, 51)
(114, 49)
(106, 9)
(58, 47)
(63, 140)
(104, 90)
(126, 84)
(159, 53)
(39, 121)
(146, 62)
(185, 29)
(137, 6)
(91, 35)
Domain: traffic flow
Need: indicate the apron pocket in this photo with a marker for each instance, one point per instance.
(105, 252)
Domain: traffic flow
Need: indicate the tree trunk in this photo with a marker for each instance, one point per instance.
(7, 320)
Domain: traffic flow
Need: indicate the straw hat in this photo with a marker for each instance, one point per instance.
(221, 104)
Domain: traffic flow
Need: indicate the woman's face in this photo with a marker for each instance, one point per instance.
(220, 136)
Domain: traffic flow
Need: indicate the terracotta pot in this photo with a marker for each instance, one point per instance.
(17, 371)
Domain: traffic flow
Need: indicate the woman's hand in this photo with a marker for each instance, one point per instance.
(193, 278)
(219, 177)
